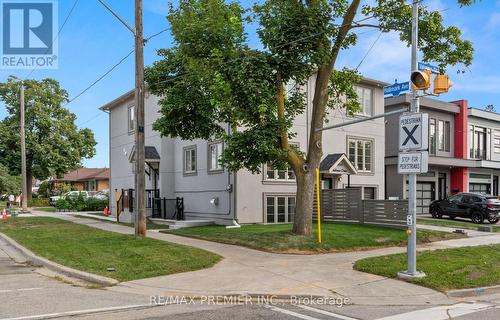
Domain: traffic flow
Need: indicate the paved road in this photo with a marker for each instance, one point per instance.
(25, 294)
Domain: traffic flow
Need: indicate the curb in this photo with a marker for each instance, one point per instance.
(33, 258)
(474, 292)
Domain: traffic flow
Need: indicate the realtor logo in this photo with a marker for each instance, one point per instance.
(28, 31)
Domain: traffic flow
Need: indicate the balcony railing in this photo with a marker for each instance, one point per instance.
(478, 154)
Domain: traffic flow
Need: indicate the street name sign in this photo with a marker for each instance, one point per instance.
(422, 66)
(413, 162)
(396, 89)
(413, 131)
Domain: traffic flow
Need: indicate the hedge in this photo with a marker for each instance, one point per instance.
(81, 203)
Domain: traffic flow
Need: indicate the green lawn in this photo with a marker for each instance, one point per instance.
(460, 268)
(92, 250)
(463, 224)
(336, 237)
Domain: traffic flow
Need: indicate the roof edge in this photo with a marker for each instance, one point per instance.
(124, 97)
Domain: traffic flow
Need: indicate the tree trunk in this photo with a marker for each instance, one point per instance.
(29, 178)
(304, 204)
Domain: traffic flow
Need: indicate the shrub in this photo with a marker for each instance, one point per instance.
(81, 203)
(63, 204)
(39, 202)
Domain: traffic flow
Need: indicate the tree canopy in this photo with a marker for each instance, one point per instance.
(54, 144)
(212, 77)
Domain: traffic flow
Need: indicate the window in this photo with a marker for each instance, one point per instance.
(369, 193)
(444, 128)
(214, 155)
(365, 100)
(190, 160)
(479, 138)
(432, 136)
(270, 173)
(359, 152)
(131, 119)
(278, 175)
(280, 209)
(496, 141)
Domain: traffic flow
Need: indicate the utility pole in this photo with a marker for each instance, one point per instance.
(24, 188)
(140, 179)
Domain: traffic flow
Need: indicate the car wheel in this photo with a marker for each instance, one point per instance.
(493, 220)
(452, 217)
(436, 213)
(477, 217)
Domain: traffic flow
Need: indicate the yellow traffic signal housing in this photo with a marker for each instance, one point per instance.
(421, 79)
(442, 84)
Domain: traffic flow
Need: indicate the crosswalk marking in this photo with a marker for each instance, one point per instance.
(326, 313)
(291, 313)
(22, 289)
(442, 312)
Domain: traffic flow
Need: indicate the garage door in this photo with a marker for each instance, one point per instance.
(425, 195)
(480, 187)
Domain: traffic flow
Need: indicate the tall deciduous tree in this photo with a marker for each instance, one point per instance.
(54, 144)
(212, 75)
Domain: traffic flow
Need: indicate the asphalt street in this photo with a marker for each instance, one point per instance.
(27, 294)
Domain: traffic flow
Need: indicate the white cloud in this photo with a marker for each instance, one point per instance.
(494, 20)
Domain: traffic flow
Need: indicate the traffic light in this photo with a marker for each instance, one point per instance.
(442, 84)
(421, 79)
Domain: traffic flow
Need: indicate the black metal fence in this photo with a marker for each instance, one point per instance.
(169, 209)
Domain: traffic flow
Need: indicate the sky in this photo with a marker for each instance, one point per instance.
(92, 41)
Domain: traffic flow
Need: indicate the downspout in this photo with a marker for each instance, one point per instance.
(232, 192)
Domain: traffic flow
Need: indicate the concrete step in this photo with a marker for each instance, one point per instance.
(174, 224)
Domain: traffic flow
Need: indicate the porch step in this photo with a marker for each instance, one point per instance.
(174, 224)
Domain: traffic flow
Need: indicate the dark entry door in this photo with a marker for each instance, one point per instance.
(495, 185)
(442, 186)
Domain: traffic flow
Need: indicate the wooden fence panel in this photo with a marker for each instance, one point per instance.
(346, 205)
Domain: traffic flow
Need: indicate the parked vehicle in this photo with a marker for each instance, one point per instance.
(71, 194)
(475, 206)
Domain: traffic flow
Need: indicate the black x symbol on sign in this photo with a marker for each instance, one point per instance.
(410, 135)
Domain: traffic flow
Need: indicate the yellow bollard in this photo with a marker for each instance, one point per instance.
(319, 203)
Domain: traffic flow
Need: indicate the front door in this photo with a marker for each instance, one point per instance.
(495, 185)
(442, 186)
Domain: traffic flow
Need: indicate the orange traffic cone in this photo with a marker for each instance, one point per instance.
(106, 213)
(4, 215)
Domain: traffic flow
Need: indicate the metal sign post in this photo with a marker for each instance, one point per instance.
(409, 137)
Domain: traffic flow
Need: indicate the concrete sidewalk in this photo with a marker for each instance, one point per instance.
(247, 271)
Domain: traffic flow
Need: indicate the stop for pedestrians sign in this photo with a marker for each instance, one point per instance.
(414, 132)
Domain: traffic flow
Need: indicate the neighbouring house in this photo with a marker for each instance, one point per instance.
(85, 179)
(464, 151)
(175, 168)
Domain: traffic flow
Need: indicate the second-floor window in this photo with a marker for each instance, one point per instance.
(496, 142)
(432, 136)
(444, 133)
(190, 160)
(214, 155)
(478, 138)
(131, 118)
(365, 100)
(360, 153)
(270, 173)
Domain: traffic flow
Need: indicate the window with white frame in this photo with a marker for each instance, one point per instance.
(444, 134)
(272, 174)
(279, 209)
(131, 118)
(214, 155)
(360, 153)
(365, 99)
(190, 160)
(496, 141)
